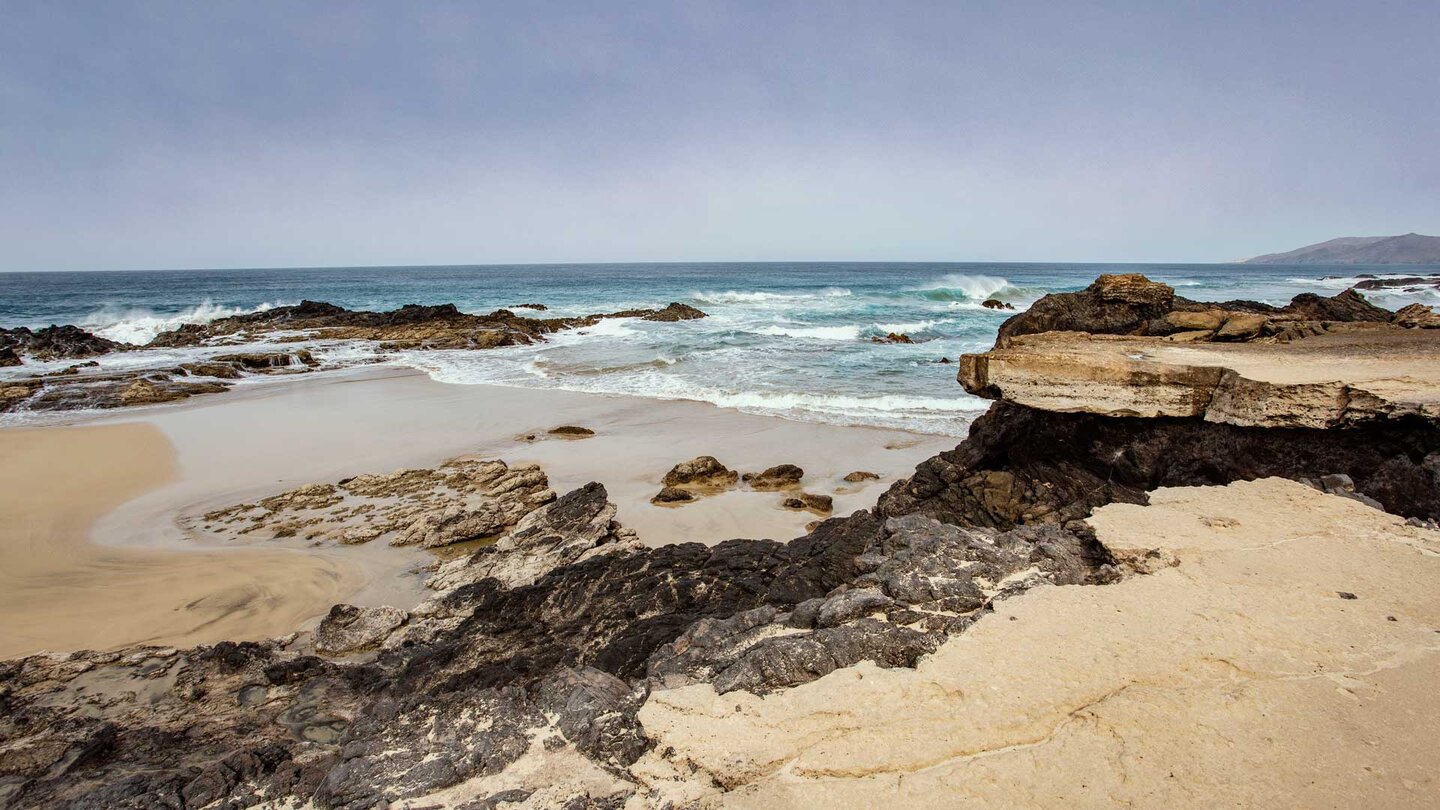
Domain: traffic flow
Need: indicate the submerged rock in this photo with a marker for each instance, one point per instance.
(572, 431)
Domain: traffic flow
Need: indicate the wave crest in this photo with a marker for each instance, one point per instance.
(140, 326)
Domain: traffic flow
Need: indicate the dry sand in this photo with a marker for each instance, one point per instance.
(93, 554)
(60, 591)
(1244, 676)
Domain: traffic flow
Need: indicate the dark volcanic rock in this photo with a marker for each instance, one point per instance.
(8, 357)
(1134, 305)
(1022, 466)
(58, 342)
(1113, 305)
(440, 326)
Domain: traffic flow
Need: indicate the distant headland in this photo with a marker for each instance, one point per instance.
(1410, 248)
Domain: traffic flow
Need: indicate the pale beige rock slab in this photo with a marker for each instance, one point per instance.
(1237, 678)
(1318, 382)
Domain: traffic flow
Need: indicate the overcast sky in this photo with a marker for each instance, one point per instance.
(247, 134)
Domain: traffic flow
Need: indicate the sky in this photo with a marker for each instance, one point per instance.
(140, 135)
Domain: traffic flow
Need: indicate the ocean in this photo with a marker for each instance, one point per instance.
(784, 339)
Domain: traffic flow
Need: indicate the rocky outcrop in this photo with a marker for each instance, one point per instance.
(76, 391)
(893, 337)
(8, 357)
(348, 629)
(412, 326)
(1131, 304)
(547, 641)
(58, 342)
(572, 432)
(1416, 316)
(460, 501)
(1329, 381)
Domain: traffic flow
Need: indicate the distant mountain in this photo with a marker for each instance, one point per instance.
(1412, 248)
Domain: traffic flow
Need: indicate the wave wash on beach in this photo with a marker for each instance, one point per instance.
(847, 344)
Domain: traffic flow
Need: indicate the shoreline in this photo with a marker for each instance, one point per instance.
(324, 428)
(61, 591)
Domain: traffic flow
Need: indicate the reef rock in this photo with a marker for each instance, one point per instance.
(58, 342)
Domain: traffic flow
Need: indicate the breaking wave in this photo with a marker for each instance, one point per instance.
(140, 326)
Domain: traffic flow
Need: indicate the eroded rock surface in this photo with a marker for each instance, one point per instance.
(460, 501)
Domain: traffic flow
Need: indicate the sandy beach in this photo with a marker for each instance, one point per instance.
(111, 533)
(61, 591)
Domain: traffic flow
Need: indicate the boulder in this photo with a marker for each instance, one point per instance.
(675, 312)
(1241, 326)
(8, 357)
(211, 368)
(1416, 316)
(819, 504)
(347, 629)
(782, 476)
(893, 337)
(1185, 321)
(572, 431)
(703, 472)
(673, 495)
(996, 303)
(861, 475)
(1113, 304)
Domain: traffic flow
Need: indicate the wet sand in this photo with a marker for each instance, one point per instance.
(94, 554)
(60, 591)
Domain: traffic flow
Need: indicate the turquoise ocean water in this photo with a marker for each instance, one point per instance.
(790, 340)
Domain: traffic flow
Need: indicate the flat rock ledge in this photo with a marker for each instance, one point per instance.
(1331, 380)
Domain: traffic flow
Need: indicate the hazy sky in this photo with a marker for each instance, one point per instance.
(216, 134)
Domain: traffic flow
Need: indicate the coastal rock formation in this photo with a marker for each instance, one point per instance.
(1416, 316)
(893, 337)
(348, 629)
(567, 664)
(819, 504)
(409, 327)
(460, 501)
(781, 476)
(1131, 304)
(547, 641)
(861, 475)
(700, 473)
(1330, 380)
(8, 357)
(58, 342)
(572, 431)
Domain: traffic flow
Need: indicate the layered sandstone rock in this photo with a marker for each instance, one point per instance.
(1324, 381)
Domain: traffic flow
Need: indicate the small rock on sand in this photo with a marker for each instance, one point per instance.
(781, 476)
(572, 431)
(861, 475)
(820, 504)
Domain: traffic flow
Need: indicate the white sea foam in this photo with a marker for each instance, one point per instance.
(974, 287)
(911, 326)
(758, 297)
(140, 326)
(812, 332)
